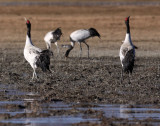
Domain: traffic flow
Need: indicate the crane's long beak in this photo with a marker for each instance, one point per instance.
(25, 18)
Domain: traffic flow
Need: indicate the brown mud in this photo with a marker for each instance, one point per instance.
(86, 80)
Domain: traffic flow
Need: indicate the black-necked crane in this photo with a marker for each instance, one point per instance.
(127, 52)
(80, 36)
(34, 55)
(53, 37)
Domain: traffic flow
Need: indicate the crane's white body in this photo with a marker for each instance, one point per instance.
(125, 47)
(31, 54)
(49, 38)
(80, 35)
(35, 56)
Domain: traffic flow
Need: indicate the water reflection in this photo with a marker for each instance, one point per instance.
(49, 121)
(35, 108)
(139, 112)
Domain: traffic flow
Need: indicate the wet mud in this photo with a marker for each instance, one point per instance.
(96, 79)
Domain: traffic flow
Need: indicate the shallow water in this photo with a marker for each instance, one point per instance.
(139, 112)
(49, 121)
(21, 111)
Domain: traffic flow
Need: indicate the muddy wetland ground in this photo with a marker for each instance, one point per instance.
(80, 91)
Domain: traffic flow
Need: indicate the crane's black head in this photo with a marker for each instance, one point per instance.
(127, 20)
(58, 31)
(94, 32)
(127, 24)
(28, 27)
(28, 24)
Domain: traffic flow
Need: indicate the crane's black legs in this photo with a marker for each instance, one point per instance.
(57, 47)
(48, 46)
(87, 48)
(34, 74)
(129, 75)
(80, 49)
(121, 75)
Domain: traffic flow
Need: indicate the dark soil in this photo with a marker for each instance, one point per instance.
(93, 80)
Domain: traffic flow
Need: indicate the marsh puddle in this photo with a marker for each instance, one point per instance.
(49, 121)
(29, 110)
(62, 114)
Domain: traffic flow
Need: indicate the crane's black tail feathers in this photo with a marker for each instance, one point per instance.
(57, 33)
(44, 60)
(94, 32)
(135, 47)
(128, 62)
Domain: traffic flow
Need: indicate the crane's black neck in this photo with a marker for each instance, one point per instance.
(29, 30)
(127, 26)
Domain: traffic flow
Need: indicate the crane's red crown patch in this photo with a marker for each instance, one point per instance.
(28, 22)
